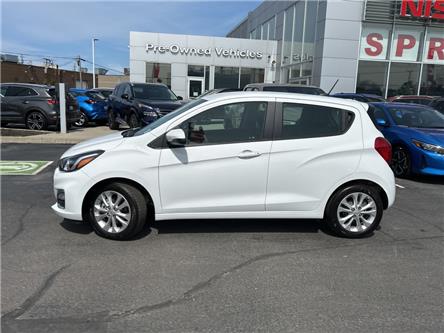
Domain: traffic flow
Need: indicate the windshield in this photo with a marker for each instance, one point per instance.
(95, 95)
(154, 92)
(106, 93)
(171, 115)
(419, 117)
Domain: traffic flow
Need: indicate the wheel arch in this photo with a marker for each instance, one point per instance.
(377, 187)
(141, 188)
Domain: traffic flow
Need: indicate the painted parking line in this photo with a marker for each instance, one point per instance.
(400, 186)
(22, 168)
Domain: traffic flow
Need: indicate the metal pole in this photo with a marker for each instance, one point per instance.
(62, 105)
(80, 71)
(94, 61)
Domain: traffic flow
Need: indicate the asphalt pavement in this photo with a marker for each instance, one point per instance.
(218, 276)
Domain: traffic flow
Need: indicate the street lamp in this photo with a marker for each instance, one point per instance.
(94, 61)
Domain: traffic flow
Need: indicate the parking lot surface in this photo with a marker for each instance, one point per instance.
(218, 276)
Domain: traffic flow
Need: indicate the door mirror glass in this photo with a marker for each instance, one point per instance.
(125, 96)
(381, 122)
(176, 138)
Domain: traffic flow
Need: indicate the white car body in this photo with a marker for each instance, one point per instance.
(266, 179)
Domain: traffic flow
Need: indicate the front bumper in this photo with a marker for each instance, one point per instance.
(75, 185)
(429, 163)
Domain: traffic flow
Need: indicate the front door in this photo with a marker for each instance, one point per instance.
(223, 166)
(195, 87)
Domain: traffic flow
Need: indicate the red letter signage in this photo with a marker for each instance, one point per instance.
(405, 42)
(373, 40)
(436, 46)
(425, 9)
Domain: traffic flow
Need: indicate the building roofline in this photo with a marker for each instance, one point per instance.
(237, 26)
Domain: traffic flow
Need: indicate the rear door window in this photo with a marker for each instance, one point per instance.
(20, 91)
(301, 121)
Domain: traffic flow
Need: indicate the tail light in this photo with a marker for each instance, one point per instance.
(52, 101)
(90, 101)
(384, 148)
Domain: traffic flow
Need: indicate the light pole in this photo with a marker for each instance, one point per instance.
(94, 61)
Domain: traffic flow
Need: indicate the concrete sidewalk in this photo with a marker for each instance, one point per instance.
(75, 135)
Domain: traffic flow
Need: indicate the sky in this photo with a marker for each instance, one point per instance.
(62, 30)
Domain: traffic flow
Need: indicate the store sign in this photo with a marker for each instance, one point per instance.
(426, 9)
(194, 51)
(405, 46)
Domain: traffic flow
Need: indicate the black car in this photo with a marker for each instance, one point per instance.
(34, 105)
(138, 104)
(290, 88)
(104, 92)
(438, 104)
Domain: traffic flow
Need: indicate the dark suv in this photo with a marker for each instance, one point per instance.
(34, 105)
(138, 104)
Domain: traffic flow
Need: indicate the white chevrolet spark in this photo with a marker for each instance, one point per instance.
(234, 155)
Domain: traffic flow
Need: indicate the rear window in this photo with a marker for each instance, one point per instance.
(20, 91)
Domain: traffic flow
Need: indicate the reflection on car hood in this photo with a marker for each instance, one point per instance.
(106, 142)
(163, 105)
(436, 134)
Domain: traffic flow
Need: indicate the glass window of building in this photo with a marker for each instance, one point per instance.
(226, 77)
(251, 75)
(310, 30)
(298, 32)
(432, 81)
(407, 43)
(372, 77)
(158, 73)
(403, 79)
(288, 35)
(196, 70)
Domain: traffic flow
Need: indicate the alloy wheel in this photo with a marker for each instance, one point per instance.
(400, 162)
(112, 212)
(35, 121)
(357, 212)
(82, 120)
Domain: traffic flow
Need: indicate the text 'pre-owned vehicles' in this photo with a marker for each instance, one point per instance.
(34, 105)
(92, 106)
(234, 155)
(138, 104)
(416, 133)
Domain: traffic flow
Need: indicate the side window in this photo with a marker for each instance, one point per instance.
(127, 90)
(440, 106)
(301, 121)
(231, 123)
(20, 91)
(377, 113)
(3, 90)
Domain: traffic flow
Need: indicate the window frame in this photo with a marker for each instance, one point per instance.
(278, 121)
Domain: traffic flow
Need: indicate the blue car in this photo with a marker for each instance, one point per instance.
(416, 133)
(93, 107)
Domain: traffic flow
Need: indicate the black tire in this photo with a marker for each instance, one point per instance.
(137, 208)
(401, 162)
(35, 120)
(112, 123)
(133, 121)
(335, 205)
(83, 121)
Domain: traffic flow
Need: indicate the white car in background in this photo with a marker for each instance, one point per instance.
(234, 155)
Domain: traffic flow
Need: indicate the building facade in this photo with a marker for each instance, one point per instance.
(382, 47)
(191, 65)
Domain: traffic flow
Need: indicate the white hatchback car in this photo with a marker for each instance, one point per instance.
(234, 155)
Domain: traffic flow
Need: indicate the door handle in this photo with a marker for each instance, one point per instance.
(247, 154)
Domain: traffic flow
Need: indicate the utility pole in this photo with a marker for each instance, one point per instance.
(79, 63)
(94, 61)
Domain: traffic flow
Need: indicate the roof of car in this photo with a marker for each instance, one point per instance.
(357, 94)
(279, 85)
(34, 85)
(286, 95)
(400, 105)
(414, 97)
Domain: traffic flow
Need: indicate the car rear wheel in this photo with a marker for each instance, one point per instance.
(117, 211)
(83, 120)
(401, 163)
(133, 121)
(35, 120)
(112, 123)
(354, 211)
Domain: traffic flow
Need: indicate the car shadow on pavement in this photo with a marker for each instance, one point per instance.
(427, 179)
(77, 227)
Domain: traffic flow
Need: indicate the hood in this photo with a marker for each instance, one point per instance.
(429, 135)
(162, 104)
(106, 142)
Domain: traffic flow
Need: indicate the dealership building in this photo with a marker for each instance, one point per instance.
(386, 48)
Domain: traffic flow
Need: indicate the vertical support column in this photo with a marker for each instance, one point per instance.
(62, 105)
(211, 86)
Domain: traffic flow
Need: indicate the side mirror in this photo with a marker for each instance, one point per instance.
(176, 138)
(381, 122)
(180, 98)
(125, 96)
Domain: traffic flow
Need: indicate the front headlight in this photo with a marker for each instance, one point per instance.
(76, 162)
(429, 147)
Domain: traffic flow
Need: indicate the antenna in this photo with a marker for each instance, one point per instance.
(333, 87)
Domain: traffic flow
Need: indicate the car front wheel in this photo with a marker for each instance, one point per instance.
(354, 211)
(133, 121)
(117, 211)
(401, 164)
(83, 120)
